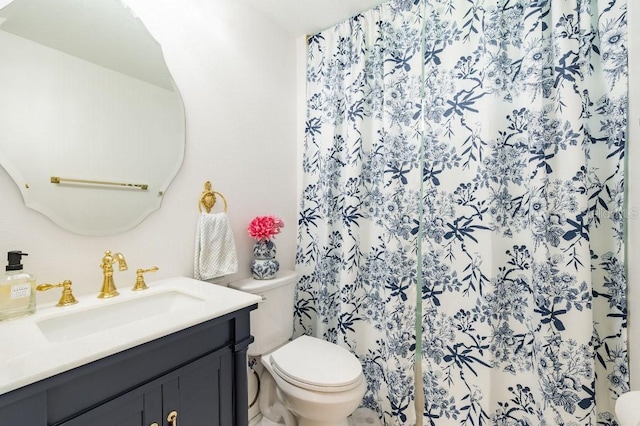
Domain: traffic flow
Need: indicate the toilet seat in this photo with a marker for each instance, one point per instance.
(314, 364)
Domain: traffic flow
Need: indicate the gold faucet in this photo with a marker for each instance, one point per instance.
(66, 298)
(108, 286)
(140, 284)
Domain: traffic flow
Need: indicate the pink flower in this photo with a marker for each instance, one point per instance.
(265, 227)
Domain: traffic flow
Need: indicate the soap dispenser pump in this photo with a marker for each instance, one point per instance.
(17, 289)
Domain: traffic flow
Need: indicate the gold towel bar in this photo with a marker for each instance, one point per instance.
(142, 186)
(208, 198)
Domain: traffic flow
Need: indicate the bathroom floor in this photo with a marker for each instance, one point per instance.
(267, 422)
(361, 417)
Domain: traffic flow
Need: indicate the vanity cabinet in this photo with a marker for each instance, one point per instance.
(197, 394)
(198, 373)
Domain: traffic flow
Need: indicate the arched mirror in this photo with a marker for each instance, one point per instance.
(91, 124)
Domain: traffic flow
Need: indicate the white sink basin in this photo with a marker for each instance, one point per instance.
(114, 313)
(54, 339)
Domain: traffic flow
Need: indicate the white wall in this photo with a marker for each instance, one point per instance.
(237, 76)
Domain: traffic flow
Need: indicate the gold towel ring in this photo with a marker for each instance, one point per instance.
(208, 198)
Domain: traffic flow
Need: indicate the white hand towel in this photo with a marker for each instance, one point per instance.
(215, 253)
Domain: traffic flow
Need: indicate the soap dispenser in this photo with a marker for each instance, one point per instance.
(17, 289)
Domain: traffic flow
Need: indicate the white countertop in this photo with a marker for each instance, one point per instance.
(27, 355)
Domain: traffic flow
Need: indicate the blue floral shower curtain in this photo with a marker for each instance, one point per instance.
(358, 229)
(465, 161)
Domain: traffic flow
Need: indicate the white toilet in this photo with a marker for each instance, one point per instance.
(627, 409)
(317, 383)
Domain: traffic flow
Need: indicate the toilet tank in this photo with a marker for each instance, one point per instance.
(272, 322)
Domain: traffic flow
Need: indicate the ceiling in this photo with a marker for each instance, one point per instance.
(301, 17)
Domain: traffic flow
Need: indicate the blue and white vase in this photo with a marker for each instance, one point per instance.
(264, 266)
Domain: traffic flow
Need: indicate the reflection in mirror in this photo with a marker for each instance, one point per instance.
(86, 95)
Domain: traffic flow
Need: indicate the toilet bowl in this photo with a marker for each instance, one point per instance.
(316, 382)
(321, 383)
(627, 409)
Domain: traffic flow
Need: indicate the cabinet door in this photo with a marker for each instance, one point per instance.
(204, 392)
(140, 407)
(126, 411)
(200, 393)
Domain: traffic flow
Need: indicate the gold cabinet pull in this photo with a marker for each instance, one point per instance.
(172, 418)
(154, 424)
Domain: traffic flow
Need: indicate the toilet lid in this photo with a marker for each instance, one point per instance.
(315, 364)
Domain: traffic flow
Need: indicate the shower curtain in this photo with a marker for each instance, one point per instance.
(461, 226)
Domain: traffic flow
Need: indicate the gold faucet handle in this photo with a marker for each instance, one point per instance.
(140, 284)
(66, 298)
